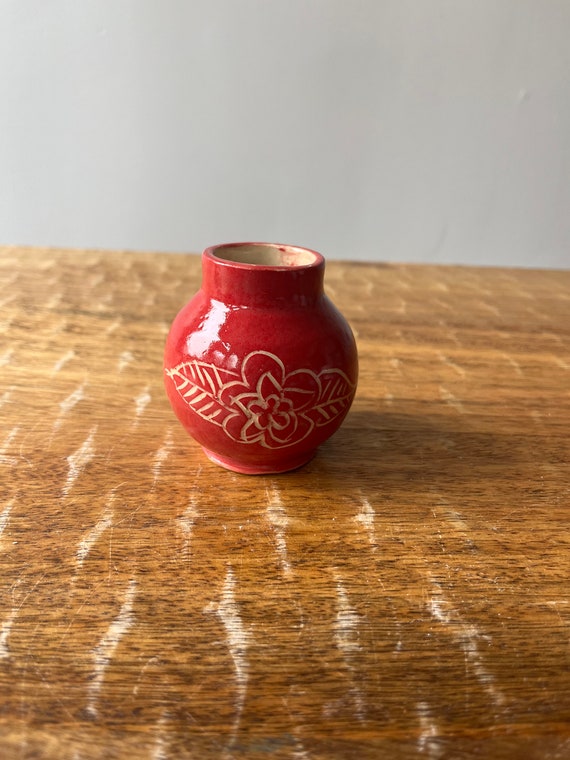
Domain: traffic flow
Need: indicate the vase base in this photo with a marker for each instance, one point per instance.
(259, 469)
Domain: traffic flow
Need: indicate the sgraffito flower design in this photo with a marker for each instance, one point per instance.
(268, 403)
(261, 402)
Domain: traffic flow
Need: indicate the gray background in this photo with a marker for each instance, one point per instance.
(415, 130)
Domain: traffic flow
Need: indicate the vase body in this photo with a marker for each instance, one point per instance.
(260, 367)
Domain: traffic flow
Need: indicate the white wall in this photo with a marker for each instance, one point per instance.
(418, 130)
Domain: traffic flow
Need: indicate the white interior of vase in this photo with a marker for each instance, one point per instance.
(266, 255)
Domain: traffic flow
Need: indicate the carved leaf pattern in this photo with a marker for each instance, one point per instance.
(334, 399)
(200, 384)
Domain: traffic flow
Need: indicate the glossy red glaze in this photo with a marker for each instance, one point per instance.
(259, 366)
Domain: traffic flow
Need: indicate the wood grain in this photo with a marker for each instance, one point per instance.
(405, 595)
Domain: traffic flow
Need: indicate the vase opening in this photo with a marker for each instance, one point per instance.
(267, 255)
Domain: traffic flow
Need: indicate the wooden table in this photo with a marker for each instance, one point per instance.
(405, 595)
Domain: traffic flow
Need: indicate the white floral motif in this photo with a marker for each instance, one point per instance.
(263, 403)
(268, 403)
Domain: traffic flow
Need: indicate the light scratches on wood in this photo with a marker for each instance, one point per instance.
(79, 460)
(456, 520)
(444, 510)
(238, 641)
(7, 624)
(515, 286)
(457, 368)
(62, 361)
(427, 740)
(8, 300)
(53, 301)
(6, 357)
(5, 515)
(148, 664)
(57, 328)
(237, 636)
(279, 521)
(346, 623)
(347, 640)
(6, 324)
(46, 265)
(450, 333)
(452, 400)
(187, 520)
(299, 751)
(5, 629)
(468, 637)
(126, 358)
(114, 326)
(5, 458)
(141, 402)
(105, 649)
(442, 304)
(366, 517)
(96, 280)
(488, 307)
(537, 314)
(395, 363)
(161, 456)
(91, 537)
(67, 405)
(554, 605)
(160, 749)
(514, 364)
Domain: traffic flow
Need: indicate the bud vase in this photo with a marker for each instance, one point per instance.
(259, 366)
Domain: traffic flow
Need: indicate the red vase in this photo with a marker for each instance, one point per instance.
(259, 366)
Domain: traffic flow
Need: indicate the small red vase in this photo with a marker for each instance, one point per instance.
(259, 366)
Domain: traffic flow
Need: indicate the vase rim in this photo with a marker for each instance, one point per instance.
(258, 256)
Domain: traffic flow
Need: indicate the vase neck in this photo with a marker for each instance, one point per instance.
(243, 283)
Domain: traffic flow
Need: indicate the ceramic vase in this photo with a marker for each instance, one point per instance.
(260, 367)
